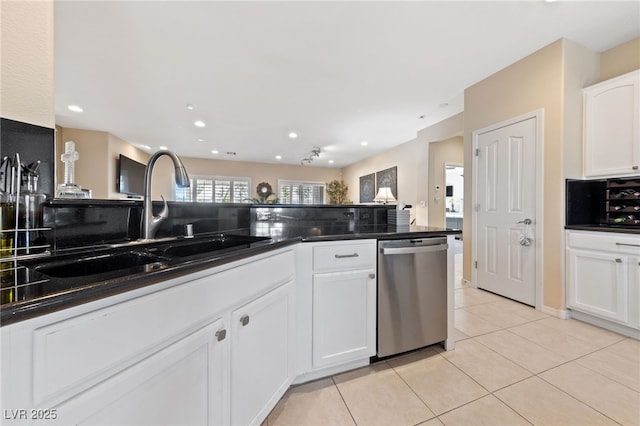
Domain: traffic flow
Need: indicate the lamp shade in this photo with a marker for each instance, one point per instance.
(384, 195)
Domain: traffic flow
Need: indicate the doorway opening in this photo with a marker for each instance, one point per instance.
(453, 210)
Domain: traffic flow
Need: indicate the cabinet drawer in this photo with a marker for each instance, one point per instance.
(344, 256)
(612, 242)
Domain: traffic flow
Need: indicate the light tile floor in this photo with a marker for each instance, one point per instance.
(512, 365)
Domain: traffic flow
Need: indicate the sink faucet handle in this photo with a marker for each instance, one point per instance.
(157, 220)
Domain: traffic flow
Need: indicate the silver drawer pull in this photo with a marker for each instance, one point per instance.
(627, 244)
(221, 334)
(244, 320)
(634, 168)
(618, 260)
(343, 256)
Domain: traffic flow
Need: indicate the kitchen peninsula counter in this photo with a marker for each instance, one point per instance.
(38, 295)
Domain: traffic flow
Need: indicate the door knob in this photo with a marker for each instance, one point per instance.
(527, 221)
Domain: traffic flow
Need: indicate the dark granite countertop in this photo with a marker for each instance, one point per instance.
(604, 228)
(35, 294)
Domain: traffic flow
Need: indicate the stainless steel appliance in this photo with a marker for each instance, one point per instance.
(412, 294)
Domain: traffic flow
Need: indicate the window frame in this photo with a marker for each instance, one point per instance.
(213, 178)
(302, 183)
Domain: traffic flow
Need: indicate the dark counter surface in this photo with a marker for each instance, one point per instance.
(34, 294)
(604, 228)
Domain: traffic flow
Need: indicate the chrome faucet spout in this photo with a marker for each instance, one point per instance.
(150, 222)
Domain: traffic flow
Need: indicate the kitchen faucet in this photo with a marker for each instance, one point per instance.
(150, 222)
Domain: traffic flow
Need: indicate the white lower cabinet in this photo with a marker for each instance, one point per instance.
(344, 317)
(336, 307)
(181, 384)
(603, 276)
(212, 348)
(262, 359)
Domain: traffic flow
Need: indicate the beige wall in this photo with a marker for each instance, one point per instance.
(620, 59)
(91, 169)
(412, 159)
(258, 172)
(27, 62)
(449, 151)
(550, 79)
(407, 157)
(98, 165)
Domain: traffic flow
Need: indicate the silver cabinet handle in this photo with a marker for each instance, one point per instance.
(372, 276)
(627, 244)
(221, 334)
(414, 249)
(634, 168)
(618, 260)
(342, 256)
(244, 320)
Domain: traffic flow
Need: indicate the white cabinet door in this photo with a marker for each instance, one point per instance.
(262, 354)
(599, 283)
(612, 127)
(344, 317)
(182, 384)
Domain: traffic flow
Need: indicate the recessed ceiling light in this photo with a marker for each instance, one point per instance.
(278, 157)
(200, 140)
(214, 151)
(364, 143)
(293, 135)
(330, 161)
(199, 123)
(163, 147)
(75, 108)
(190, 107)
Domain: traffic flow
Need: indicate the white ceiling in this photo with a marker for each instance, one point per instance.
(337, 73)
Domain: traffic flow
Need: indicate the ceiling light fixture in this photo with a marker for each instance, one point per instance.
(190, 107)
(75, 108)
(214, 151)
(199, 123)
(200, 140)
(364, 143)
(293, 135)
(330, 161)
(315, 152)
(278, 157)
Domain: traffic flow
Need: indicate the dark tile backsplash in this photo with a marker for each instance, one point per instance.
(78, 223)
(33, 143)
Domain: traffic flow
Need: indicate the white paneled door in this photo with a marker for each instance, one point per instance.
(505, 211)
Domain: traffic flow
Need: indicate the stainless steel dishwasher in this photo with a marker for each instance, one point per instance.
(412, 294)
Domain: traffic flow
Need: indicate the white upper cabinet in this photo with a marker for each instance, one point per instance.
(612, 127)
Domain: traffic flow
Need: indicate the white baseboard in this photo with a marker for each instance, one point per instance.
(558, 313)
(609, 325)
(468, 283)
(330, 371)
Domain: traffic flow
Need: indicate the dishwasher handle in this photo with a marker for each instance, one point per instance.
(414, 249)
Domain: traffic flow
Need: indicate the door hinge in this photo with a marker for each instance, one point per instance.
(476, 207)
(477, 152)
(475, 264)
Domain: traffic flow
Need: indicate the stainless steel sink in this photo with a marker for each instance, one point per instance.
(111, 265)
(207, 246)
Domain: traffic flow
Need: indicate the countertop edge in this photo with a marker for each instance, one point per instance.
(597, 228)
